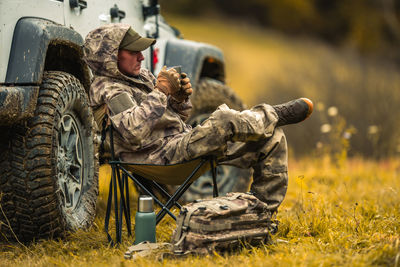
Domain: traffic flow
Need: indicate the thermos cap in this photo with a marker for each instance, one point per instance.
(145, 203)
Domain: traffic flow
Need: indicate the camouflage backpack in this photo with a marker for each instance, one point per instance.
(222, 224)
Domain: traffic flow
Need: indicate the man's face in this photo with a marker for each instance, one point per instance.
(129, 62)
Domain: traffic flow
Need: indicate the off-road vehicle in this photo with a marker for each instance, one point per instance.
(48, 153)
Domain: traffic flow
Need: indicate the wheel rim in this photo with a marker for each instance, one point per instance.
(70, 162)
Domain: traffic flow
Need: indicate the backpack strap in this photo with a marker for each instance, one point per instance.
(103, 139)
(182, 226)
(144, 249)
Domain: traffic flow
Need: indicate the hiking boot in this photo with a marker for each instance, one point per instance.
(293, 111)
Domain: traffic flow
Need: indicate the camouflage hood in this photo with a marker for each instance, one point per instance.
(152, 120)
(101, 50)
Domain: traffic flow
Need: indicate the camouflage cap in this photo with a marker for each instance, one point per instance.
(134, 42)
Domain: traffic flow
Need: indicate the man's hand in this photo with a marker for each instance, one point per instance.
(186, 89)
(168, 81)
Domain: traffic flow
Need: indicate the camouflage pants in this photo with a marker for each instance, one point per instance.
(246, 139)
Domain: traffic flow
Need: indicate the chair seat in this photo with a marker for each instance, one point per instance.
(182, 174)
(173, 174)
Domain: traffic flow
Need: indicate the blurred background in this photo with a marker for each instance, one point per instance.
(344, 55)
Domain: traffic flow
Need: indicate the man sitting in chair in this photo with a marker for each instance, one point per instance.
(149, 114)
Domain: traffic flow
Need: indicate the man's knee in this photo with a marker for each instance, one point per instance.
(254, 124)
(223, 117)
(210, 137)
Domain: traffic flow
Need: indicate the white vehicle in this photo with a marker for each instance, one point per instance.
(48, 152)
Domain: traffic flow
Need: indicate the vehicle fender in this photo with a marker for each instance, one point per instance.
(31, 39)
(198, 60)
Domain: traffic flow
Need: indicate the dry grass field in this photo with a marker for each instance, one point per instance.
(266, 66)
(345, 214)
(255, 58)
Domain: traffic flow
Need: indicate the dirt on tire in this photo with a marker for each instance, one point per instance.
(34, 204)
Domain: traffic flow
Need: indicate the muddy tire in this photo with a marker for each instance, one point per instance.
(50, 182)
(208, 95)
(7, 212)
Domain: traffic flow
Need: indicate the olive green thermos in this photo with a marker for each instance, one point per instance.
(145, 220)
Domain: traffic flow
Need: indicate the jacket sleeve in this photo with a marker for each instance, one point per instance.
(136, 123)
(182, 108)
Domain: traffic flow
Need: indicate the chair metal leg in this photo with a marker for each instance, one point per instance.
(137, 182)
(178, 193)
(114, 172)
(122, 203)
(128, 207)
(166, 194)
(214, 177)
(108, 213)
(123, 207)
(117, 224)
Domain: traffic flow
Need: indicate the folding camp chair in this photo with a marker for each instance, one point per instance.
(147, 177)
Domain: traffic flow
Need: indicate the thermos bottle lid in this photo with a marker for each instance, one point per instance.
(145, 203)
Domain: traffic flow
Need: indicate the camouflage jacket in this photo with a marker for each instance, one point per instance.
(153, 120)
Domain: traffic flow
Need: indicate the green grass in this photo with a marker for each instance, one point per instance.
(348, 216)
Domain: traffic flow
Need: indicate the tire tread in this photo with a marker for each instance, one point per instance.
(28, 189)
